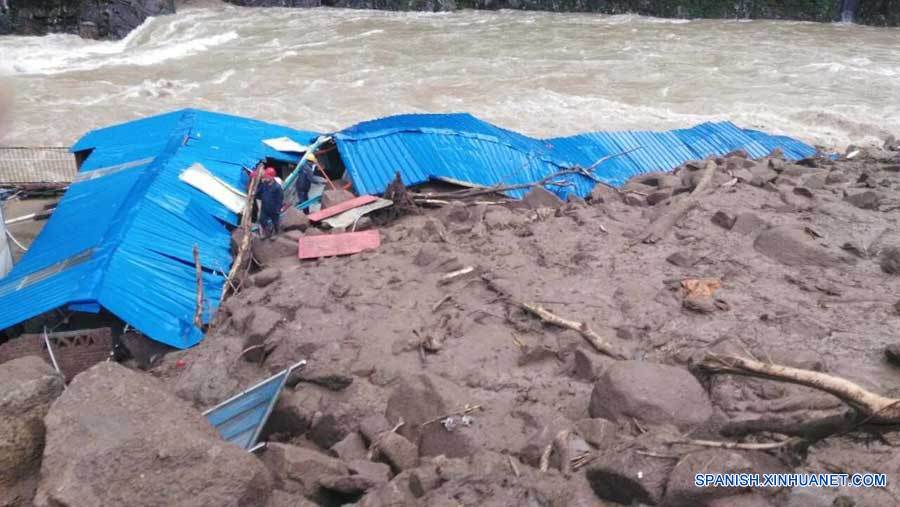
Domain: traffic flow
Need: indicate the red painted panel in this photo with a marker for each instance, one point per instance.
(342, 207)
(329, 245)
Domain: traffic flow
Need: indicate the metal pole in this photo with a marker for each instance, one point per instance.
(52, 357)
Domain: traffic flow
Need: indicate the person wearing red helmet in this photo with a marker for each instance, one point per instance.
(271, 196)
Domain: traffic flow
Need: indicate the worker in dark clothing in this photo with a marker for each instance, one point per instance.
(272, 196)
(303, 184)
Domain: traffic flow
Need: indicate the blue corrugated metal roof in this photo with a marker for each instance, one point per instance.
(240, 419)
(464, 148)
(123, 234)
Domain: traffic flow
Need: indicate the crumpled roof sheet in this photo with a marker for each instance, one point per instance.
(124, 240)
(422, 147)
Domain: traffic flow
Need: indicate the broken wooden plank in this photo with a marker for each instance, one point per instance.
(329, 245)
(342, 207)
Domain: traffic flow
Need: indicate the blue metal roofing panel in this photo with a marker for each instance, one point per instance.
(792, 148)
(464, 148)
(131, 224)
(240, 419)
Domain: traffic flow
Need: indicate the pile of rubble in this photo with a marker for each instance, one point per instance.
(532, 353)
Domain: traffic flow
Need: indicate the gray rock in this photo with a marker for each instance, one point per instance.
(348, 484)
(628, 478)
(681, 259)
(794, 247)
(633, 199)
(96, 19)
(370, 427)
(417, 401)
(540, 197)
(28, 386)
(864, 200)
(652, 393)
(116, 427)
(658, 197)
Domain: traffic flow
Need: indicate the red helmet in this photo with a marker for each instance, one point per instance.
(270, 172)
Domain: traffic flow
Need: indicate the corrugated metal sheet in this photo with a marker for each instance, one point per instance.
(463, 148)
(36, 165)
(125, 240)
(240, 419)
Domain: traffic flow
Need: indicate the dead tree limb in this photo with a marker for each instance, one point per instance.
(765, 446)
(596, 341)
(873, 407)
(582, 328)
(661, 227)
(246, 219)
(198, 312)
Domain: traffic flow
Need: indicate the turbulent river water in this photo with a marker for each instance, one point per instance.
(539, 73)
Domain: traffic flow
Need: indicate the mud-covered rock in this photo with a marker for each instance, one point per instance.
(28, 387)
(651, 393)
(682, 491)
(417, 401)
(793, 246)
(350, 447)
(298, 470)
(294, 220)
(864, 200)
(334, 197)
(600, 433)
(266, 277)
(398, 451)
(628, 477)
(540, 197)
(117, 435)
(890, 260)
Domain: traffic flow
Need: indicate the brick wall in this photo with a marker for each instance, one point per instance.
(75, 351)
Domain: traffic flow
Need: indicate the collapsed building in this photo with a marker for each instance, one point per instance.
(154, 202)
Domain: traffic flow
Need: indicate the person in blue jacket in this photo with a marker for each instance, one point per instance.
(271, 195)
(303, 184)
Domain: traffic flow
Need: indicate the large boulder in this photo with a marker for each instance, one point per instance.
(117, 437)
(629, 477)
(682, 490)
(652, 393)
(28, 386)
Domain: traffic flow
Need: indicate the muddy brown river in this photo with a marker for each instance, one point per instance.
(539, 73)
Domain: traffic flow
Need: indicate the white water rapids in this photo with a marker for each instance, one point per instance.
(539, 73)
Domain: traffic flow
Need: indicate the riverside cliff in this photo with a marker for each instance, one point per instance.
(92, 19)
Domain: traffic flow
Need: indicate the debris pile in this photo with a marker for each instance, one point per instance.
(731, 316)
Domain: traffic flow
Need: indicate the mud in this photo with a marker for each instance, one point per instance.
(802, 280)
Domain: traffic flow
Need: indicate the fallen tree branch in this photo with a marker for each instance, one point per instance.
(582, 328)
(596, 341)
(766, 446)
(661, 227)
(873, 407)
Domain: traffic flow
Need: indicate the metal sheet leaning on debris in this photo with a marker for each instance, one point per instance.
(350, 217)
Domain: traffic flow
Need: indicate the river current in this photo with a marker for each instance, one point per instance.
(542, 74)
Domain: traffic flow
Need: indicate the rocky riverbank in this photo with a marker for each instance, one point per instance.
(109, 19)
(423, 390)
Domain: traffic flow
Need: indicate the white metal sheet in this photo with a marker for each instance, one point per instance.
(200, 178)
